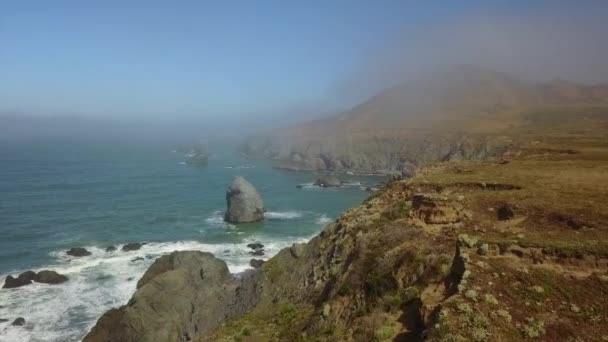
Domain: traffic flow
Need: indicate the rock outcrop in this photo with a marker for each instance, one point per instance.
(244, 202)
(78, 252)
(131, 246)
(182, 295)
(327, 182)
(50, 277)
(22, 279)
(26, 278)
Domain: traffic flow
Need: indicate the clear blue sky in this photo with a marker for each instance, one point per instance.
(205, 58)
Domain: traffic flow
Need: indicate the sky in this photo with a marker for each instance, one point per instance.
(229, 60)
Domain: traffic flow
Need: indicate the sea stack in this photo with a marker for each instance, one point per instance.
(244, 202)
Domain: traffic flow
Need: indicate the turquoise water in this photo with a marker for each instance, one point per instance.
(60, 195)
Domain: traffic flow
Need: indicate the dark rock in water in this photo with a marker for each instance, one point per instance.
(3, 320)
(192, 293)
(256, 263)
(255, 245)
(197, 159)
(130, 278)
(257, 252)
(132, 246)
(244, 202)
(327, 182)
(23, 279)
(78, 252)
(299, 186)
(505, 212)
(110, 249)
(137, 259)
(19, 321)
(149, 256)
(50, 277)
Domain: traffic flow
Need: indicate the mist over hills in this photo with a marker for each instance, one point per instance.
(460, 112)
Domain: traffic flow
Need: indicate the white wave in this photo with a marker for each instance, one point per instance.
(182, 163)
(98, 282)
(240, 167)
(323, 220)
(217, 219)
(352, 184)
(282, 215)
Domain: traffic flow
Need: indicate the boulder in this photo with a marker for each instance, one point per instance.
(110, 249)
(50, 277)
(256, 263)
(181, 296)
(132, 246)
(19, 321)
(327, 182)
(78, 252)
(244, 202)
(26, 278)
(297, 250)
(3, 320)
(23, 279)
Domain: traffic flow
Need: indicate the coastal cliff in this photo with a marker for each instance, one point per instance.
(508, 250)
(500, 235)
(462, 113)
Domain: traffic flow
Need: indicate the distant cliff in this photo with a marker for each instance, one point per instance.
(465, 113)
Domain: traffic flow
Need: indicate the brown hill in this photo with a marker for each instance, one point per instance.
(440, 112)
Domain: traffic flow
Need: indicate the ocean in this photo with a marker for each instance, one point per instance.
(58, 195)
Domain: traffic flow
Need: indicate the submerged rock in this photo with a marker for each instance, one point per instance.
(78, 252)
(3, 320)
(244, 202)
(257, 252)
(255, 245)
(327, 182)
(110, 249)
(19, 321)
(132, 246)
(50, 277)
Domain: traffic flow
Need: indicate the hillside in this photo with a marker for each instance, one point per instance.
(462, 113)
(507, 250)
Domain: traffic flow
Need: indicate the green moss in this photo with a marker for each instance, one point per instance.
(534, 328)
(344, 290)
(385, 333)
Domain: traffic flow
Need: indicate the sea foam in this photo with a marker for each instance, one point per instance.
(98, 282)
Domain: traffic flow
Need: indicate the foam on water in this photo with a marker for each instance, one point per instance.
(217, 220)
(323, 220)
(98, 282)
(282, 215)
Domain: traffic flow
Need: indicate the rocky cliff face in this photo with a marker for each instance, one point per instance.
(375, 153)
(182, 295)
